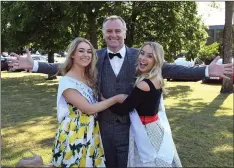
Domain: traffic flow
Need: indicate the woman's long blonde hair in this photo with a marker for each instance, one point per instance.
(90, 70)
(156, 71)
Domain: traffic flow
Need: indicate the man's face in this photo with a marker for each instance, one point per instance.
(114, 34)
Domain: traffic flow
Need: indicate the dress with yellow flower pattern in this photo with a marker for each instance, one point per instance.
(78, 140)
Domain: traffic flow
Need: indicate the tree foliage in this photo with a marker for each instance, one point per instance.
(173, 24)
(208, 51)
(51, 25)
(39, 24)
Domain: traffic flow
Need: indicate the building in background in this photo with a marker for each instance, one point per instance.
(215, 33)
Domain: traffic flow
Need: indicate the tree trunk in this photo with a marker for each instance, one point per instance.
(131, 27)
(227, 85)
(92, 33)
(136, 11)
(51, 60)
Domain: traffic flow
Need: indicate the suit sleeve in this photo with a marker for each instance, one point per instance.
(178, 71)
(136, 97)
(53, 68)
(48, 68)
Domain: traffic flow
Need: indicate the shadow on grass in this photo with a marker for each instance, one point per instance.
(198, 132)
(213, 82)
(47, 142)
(28, 110)
(12, 151)
(23, 99)
(14, 155)
(179, 91)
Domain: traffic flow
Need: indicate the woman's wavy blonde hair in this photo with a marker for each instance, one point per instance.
(156, 71)
(90, 70)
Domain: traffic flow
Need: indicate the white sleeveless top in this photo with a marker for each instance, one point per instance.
(67, 82)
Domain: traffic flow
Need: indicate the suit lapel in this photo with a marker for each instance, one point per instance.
(101, 56)
(131, 58)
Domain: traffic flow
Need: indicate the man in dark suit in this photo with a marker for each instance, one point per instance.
(116, 66)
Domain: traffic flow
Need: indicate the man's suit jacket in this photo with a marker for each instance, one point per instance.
(168, 70)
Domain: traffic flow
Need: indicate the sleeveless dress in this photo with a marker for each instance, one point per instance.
(160, 140)
(78, 140)
(151, 144)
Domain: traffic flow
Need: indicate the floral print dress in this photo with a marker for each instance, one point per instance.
(78, 140)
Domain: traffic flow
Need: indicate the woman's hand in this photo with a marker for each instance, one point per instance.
(121, 97)
(102, 98)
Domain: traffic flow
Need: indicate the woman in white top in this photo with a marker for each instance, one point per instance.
(78, 141)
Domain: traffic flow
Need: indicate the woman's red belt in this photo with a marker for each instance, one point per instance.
(148, 119)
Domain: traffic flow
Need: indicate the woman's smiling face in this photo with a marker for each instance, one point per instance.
(146, 59)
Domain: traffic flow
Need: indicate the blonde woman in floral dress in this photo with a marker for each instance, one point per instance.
(78, 142)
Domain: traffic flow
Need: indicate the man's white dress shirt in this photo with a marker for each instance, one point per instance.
(116, 62)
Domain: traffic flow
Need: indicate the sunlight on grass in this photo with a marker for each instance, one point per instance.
(223, 148)
(200, 117)
(49, 84)
(5, 74)
(220, 113)
(227, 134)
(36, 135)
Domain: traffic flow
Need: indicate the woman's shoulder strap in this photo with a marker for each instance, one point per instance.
(149, 82)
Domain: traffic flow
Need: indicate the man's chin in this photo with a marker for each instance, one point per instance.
(114, 45)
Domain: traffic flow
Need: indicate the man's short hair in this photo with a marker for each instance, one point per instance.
(114, 17)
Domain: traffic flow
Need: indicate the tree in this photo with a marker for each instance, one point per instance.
(12, 36)
(52, 25)
(227, 85)
(206, 53)
(40, 25)
(173, 24)
(92, 9)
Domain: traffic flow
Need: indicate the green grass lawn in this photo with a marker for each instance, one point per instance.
(200, 117)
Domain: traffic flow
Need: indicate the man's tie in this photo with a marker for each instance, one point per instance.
(111, 55)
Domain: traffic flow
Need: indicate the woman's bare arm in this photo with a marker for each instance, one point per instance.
(76, 99)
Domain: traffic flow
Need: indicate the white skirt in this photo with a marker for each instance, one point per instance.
(155, 132)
